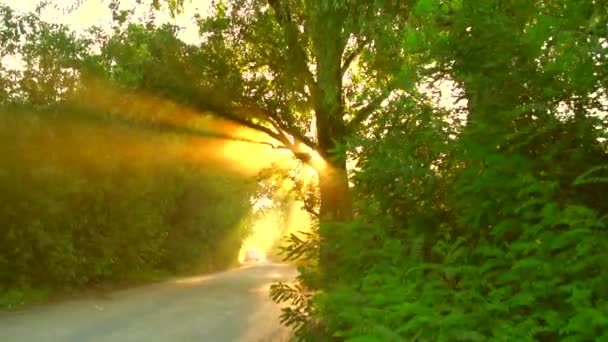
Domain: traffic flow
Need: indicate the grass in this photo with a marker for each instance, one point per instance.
(17, 298)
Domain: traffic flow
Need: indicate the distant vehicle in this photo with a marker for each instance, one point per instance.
(252, 255)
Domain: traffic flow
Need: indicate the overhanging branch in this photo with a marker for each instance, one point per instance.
(246, 123)
(298, 136)
(351, 57)
(280, 135)
(309, 209)
(281, 127)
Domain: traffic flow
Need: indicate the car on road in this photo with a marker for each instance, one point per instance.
(252, 255)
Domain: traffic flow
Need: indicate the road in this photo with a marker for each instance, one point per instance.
(228, 306)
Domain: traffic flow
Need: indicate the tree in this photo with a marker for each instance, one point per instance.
(307, 74)
(493, 229)
(286, 69)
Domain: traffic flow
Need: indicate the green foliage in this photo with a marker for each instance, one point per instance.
(484, 222)
(301, 312)
(98, 183)
(79, 210)
(504, 256)
(493, 229)
(88, 195)
(15, 298)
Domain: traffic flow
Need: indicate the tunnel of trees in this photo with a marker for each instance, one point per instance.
(460, 149)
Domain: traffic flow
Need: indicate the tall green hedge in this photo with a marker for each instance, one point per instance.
(85, 202)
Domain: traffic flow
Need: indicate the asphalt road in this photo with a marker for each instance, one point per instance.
(228, 306)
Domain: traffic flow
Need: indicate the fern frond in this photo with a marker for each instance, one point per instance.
(586, 178)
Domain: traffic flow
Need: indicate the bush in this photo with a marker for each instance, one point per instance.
(88, 202)
(493, 229)
(505, 250)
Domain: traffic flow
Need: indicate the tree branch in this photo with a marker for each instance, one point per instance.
(282, 128)
(280, 135)
(293, 42)
(351, 57)
(246, 123)
(311, 210)
(364, 113)
(215, 135)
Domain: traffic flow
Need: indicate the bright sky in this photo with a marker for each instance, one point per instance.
(96, 12)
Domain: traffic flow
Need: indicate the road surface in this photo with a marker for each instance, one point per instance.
(228, 306)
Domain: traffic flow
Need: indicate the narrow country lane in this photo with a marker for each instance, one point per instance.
(228, 306)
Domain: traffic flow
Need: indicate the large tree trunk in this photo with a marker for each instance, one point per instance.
(336, 202)
(335, 210)
(331, 128)
(329, 40)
